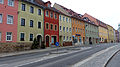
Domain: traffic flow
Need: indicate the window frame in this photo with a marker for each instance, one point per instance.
(39, 12)
(47, 27)
(23, 37)
(8, 17)
(10, 4)
(31, 9)
(2, 2)
(39, 26)
(47, 13)
(0, 36)
(31, 39)
(31, 21)
(51, 27)
(9, 36)
(1, 18)
(23, 8)
(21, 22)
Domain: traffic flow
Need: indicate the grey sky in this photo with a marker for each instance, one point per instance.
(107, 11)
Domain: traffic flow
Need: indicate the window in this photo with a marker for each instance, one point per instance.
(0, 18)
(39, 25)
(73, 28)
(31, 9)
(23, 7)
(9, 36)
(64, 38)
(64, 29)
(0, 36)
(39, 11)
(67, 29)
(1, 1)
(70, 20)
(76, 29)
(60, 17)
(47, 26)
(47, 13)
(70, 29)
(51, 26)
(63, 18)
(70, 38)
(55, 27)
(55, 16)
(60, 28)
(31, 37)
(51, 14)
(67, 38)
(22, 36)
(11, 3)
(22, 22)
(66, 19)
(9, 19)
(31, 23)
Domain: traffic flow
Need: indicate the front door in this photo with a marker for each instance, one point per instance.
(39, 39)
(47, 41)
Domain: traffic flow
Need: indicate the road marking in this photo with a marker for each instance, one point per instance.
(3, 65)
(51, 56)
(93, 56)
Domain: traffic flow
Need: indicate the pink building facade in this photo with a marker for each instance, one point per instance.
(8, 20)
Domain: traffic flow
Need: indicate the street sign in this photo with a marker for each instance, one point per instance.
(57, 43)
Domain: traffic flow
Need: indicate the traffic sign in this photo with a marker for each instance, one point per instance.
(57, 43)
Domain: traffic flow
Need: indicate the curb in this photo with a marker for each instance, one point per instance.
(30, 52)
(111, 58)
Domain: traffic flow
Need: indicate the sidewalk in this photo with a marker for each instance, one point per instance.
(32, 51)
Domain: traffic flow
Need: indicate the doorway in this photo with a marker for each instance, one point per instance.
(47, 41)
(39, 39)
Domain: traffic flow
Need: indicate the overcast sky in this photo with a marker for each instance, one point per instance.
(107, 11)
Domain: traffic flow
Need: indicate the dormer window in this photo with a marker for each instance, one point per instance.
(49, 5)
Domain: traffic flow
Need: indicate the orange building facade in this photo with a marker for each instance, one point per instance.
(78, 29)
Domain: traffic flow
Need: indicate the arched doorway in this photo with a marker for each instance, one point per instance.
(47, 41)
(39, 39)
(90, 41)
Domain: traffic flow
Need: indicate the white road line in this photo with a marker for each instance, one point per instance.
(50, 56)
(3, 65)
(93, 56)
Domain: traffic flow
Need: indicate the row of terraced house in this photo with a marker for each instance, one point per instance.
(23, 20)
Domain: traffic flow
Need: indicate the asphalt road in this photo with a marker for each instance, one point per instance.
(59, 61)
(115, 61)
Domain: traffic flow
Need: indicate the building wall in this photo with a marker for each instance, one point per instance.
(4, 27)
(65, 33)
(27, 30)
(49, 32)
(80, 32)
(103, 34)
(91, 31)
(110, 34)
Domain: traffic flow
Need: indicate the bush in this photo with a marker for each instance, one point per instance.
(35, 44)
(43, 45)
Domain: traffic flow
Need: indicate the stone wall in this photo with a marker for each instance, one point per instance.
(13, 47)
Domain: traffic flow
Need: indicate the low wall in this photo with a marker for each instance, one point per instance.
(67, 43)
(13, 47)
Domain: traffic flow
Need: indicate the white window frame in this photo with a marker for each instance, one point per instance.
(64, 38)
(60, 28)
(46, 13)
(67, 29)
(12, 5)
(63, 29)
(2, 2)
(0, 36)
(9, 35)
(70, 29)
(1, 18)
(10, 19)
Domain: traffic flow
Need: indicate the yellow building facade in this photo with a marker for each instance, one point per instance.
(30, 22)
(103, 34)
(110, 34)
